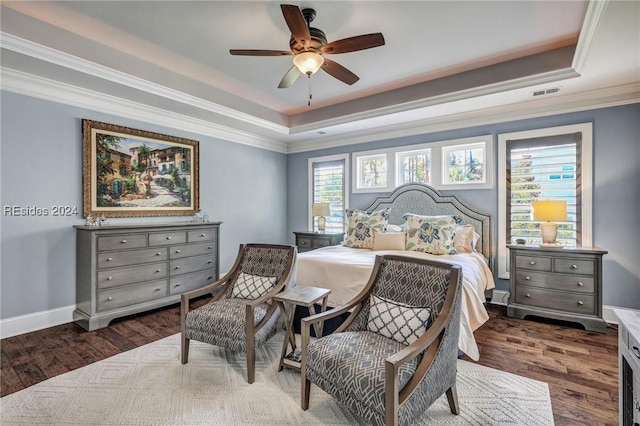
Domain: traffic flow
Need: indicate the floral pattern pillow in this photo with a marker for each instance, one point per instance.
(361, 226)
(430, 234)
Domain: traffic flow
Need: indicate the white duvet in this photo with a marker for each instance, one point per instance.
(346, 271)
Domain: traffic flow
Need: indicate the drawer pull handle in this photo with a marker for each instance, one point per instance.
(533, 262)
(636, 351)
(209, 248)
(109, 278)
(212, 277)
(210, 261)
(527, 278)
(580, 302)
(123, 242)
(157, 289)
(580, 284)
(158, 270)
(168, 238)
(178, 267)
(178, 251)
(528, 295)
(109, 259)
(202, 235)
(109, 299)
(177, 285)
(158, 254)
(574, 266)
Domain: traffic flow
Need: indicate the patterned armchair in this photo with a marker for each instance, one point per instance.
(241, 314)
(381, 363)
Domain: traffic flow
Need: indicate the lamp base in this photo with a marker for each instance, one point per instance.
(322, 223)
(549, 232)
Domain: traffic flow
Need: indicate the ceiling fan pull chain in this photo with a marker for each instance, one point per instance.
(309, 78)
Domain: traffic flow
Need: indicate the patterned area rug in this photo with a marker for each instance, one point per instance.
(149, 386)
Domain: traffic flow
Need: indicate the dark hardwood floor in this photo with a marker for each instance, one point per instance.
(580, 367)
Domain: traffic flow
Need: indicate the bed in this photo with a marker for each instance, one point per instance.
(346, 270)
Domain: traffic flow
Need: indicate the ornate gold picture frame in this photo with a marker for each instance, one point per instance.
(135, 173)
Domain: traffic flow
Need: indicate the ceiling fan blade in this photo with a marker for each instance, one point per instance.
(353, 44)
(338, 71)
(289, 78)
(296, 23)
(258, 52)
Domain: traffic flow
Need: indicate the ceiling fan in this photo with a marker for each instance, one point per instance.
(309, 44)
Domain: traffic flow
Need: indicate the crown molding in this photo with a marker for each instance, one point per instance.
(602, 98)
(53, 56)
(595, 11)
(50, 90)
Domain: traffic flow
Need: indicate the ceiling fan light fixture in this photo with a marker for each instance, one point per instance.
(308, 62)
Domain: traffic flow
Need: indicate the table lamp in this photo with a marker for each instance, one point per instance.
(321, 210)
(548, 212)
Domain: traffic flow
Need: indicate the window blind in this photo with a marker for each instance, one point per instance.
(329, 187)
(543, 168)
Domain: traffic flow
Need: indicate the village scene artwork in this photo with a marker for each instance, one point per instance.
(134, 173)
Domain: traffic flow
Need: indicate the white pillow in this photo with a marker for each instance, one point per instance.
(398, 321)
(463, 241)
(388, 240)
(252, 286)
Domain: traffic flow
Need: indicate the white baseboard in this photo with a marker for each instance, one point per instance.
(36, 321)
(500, 297)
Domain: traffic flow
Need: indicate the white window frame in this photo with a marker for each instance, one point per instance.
(420, 150)
(313, 160)
(586, 168)
(470, 184)
(436, 148)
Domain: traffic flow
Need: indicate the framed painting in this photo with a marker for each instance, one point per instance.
(134, 173)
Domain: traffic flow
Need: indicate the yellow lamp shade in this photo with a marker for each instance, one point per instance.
(549, 210)
(321, 209)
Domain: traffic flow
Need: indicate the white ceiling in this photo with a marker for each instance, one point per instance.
(444, 65)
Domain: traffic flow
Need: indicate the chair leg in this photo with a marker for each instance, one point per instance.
(452, 397)
(184, 346)
(251, 361)
(306, 393)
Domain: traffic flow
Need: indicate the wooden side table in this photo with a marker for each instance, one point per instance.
(308, 240)
(288, 300)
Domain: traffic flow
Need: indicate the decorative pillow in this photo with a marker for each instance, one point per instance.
(388, 240)
(252, 286)
(464, 240)
(361, 226)
(397, 321)
(430, 234)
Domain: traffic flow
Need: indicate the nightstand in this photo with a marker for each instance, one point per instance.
(558, 283)
(312, 240)
(287, 301)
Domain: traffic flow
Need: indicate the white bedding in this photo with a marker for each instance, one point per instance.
(346, 271)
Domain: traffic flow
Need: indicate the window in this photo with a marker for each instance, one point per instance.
(450, 164)
(550, 163)
(328, 181)
(414, 166)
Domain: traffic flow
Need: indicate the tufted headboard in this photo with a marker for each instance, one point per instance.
(424, 200)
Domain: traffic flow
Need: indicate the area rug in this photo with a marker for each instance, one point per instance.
(149, 386)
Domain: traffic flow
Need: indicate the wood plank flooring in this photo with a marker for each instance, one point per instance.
(581, 367)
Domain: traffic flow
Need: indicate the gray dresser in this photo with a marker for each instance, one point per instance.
(126, 269)
(558, 283)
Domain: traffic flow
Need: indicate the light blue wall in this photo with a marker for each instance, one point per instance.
(41, 165)
(616, 186)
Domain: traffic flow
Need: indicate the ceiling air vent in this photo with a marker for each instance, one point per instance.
(546, 91)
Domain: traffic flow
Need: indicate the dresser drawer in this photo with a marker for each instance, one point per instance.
(555, 281)
(178, 252)
(125, 258)
(574, 266)
(188, 282)
(202, 235)
(191, 264)
(579, 303)
(304, 243)
(122, 242)
(320, 242)
(134, 274)
(166, 238)
(130, 295)
(536, 263)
